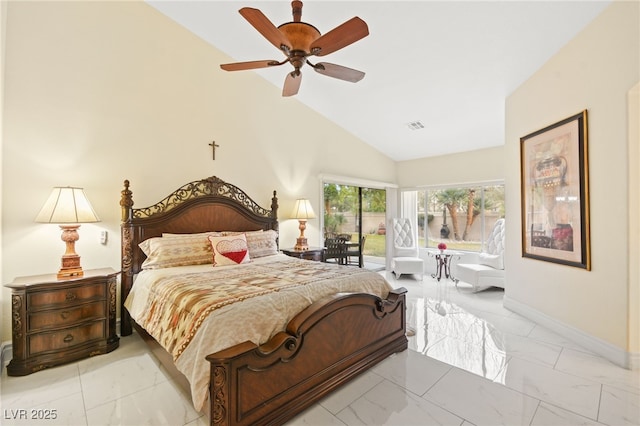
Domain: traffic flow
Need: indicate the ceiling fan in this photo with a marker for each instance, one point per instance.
(299, 40)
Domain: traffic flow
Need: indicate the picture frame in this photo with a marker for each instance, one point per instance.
(555, 193)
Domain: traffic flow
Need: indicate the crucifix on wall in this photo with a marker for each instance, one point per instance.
(213, 146)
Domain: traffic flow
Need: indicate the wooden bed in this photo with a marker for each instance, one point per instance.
(327, 344)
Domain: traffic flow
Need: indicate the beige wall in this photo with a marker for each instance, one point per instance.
(99, 92)
(594, 71)
(478, 166)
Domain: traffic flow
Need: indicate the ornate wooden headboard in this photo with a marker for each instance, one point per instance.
(209, 204)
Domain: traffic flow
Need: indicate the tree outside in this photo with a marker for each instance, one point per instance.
(453, 212)
(342, 214)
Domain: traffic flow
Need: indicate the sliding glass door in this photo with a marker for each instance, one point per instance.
(359, 214)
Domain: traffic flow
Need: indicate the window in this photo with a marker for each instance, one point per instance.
(461, 217)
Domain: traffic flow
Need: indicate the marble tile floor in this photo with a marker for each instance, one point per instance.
(470, 362)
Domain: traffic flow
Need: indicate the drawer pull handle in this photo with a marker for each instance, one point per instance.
(68, 339)
(64, 314)
(71, 295)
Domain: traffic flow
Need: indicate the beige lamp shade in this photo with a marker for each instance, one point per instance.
(68, 207)
(303, 210)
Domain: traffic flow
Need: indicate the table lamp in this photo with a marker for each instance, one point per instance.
(302, 211)
(68, 207)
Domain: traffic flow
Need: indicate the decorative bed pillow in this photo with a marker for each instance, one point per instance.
(176, 250)
(493, 260)
(229, 250)
(262, 243)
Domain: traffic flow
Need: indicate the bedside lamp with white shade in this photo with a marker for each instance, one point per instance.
(302, 211)
(68, 207)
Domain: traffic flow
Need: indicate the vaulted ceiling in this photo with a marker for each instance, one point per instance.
(437, 72)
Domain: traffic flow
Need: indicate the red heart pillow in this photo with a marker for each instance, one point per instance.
(230, 250)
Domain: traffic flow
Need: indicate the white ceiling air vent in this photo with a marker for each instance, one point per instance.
(415, 125)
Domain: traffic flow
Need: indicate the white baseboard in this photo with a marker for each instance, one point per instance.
(6, 353)
(605, 349)
(634, 361)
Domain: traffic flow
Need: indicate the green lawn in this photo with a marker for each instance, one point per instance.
(373, 244)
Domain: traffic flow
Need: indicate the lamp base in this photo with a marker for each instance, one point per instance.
(70, 273)
(70, 260)
(301, 244)
(301, 241)
(70, 267)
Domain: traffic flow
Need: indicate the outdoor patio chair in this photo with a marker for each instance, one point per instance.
(335, 250)
(354, 253)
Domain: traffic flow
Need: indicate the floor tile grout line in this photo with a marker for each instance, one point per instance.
(84, 402)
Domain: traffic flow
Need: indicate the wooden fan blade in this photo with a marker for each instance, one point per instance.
(265, 27)
(251, 65)
(338, 71)
(292, 83)
(341, 36)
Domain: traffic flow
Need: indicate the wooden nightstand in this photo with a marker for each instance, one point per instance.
(57, 321)
(314, 253)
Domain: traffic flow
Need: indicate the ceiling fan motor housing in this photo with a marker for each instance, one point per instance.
(300, 35)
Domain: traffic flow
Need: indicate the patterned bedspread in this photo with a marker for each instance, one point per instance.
(197, 310)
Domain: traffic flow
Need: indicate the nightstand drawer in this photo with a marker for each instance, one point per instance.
(66, 338)
(64, 317)
(70, 295)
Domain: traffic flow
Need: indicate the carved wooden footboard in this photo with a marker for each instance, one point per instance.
(324, 346)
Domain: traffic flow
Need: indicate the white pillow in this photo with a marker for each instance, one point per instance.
(493, 260)
(262, 243)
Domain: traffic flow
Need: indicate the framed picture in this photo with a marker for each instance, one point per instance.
(555, 193)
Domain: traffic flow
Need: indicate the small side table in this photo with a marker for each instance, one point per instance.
(314, 253)
(443, 261)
